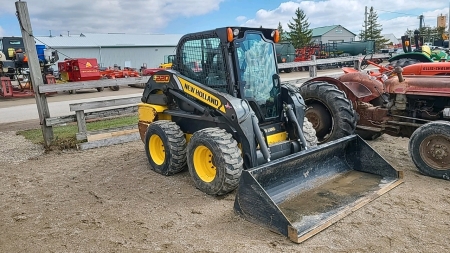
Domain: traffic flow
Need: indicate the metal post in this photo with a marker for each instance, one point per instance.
(365, 25)
(357, 64)
(448, 17)
(35, 70)
(313, 68)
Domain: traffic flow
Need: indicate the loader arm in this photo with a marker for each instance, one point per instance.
(193, 106)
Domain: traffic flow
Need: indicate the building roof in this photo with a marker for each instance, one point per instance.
(392, 39)
(109, 40)
(319, 31)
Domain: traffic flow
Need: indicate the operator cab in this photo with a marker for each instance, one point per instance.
(237, 61)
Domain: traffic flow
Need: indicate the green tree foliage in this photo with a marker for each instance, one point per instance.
(283, 36)
(429, 34)
(373, 30)
(440, 31)
(299, 35)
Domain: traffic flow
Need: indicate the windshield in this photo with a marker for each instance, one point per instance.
(257, 67)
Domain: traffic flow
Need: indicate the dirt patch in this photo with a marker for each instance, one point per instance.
(108, 200)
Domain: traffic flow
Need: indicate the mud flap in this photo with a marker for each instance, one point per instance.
(302, 194)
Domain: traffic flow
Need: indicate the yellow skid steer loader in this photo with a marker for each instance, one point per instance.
(222, 112)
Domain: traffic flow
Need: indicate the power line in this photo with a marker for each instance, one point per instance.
(48, 46)
(402, 13)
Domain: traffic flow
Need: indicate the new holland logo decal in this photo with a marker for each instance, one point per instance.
(201, 95)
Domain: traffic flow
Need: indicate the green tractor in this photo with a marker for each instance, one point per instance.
(418, 54)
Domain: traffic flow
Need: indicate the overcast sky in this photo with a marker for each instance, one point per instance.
(184, 16)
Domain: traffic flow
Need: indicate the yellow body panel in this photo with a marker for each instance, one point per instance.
(426, 50)
(148, 112)
(165, 66)
(278, 137)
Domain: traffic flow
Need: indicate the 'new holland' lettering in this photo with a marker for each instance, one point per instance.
(202, 95)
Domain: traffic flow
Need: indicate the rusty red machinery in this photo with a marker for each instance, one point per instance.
(87, 69)
(414, 106)
(80, 69)
(419, 68)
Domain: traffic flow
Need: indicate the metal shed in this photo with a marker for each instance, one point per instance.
(125, 50)
(332, 33)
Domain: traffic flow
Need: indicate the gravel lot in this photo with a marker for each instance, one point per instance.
(108, 200)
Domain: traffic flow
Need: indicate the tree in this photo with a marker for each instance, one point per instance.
(429, 34)
(441, 32)
(299, 35)
(373, 30)
(283, 36)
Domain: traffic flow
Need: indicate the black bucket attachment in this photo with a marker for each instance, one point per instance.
(304, 193)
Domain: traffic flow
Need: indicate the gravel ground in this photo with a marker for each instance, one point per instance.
(108, 200)
(16, 149)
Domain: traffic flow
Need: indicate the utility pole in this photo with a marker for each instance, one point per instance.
(448, 18)
(35, 70)
(420, 22)
(365, 24)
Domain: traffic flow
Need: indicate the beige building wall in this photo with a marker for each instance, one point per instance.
(441, 21)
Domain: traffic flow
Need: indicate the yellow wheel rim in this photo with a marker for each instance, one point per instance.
(203, 164)
(156, 148)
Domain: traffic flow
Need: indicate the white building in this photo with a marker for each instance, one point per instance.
(392, 40)
(125, 50)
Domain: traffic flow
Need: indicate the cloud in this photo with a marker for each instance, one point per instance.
(241, 18)
(394, 16)
(109, 16)
(2, 32)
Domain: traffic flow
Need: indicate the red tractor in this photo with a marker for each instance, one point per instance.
(414, 106)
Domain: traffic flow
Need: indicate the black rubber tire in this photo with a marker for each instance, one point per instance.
(100, 89)
(368, 135)
(226, 157)
(288, 70)
(423, 135)
(139, 85)
(339, 110)
(114, 88)
(403, 62)
(174, 147)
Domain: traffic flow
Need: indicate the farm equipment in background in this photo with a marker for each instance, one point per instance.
(144, 71)
(14, 74)
(234, 125)
(421, 68)
(285, 53)
(79, 69)
(116, 72)
(336, 49)
(400, 102)
(87, 69)
(421, 53)
(168, 61)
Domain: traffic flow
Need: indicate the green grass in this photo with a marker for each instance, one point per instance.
(65, 136)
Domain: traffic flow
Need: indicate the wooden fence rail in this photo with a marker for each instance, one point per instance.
(92, 84)
(102, 137)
